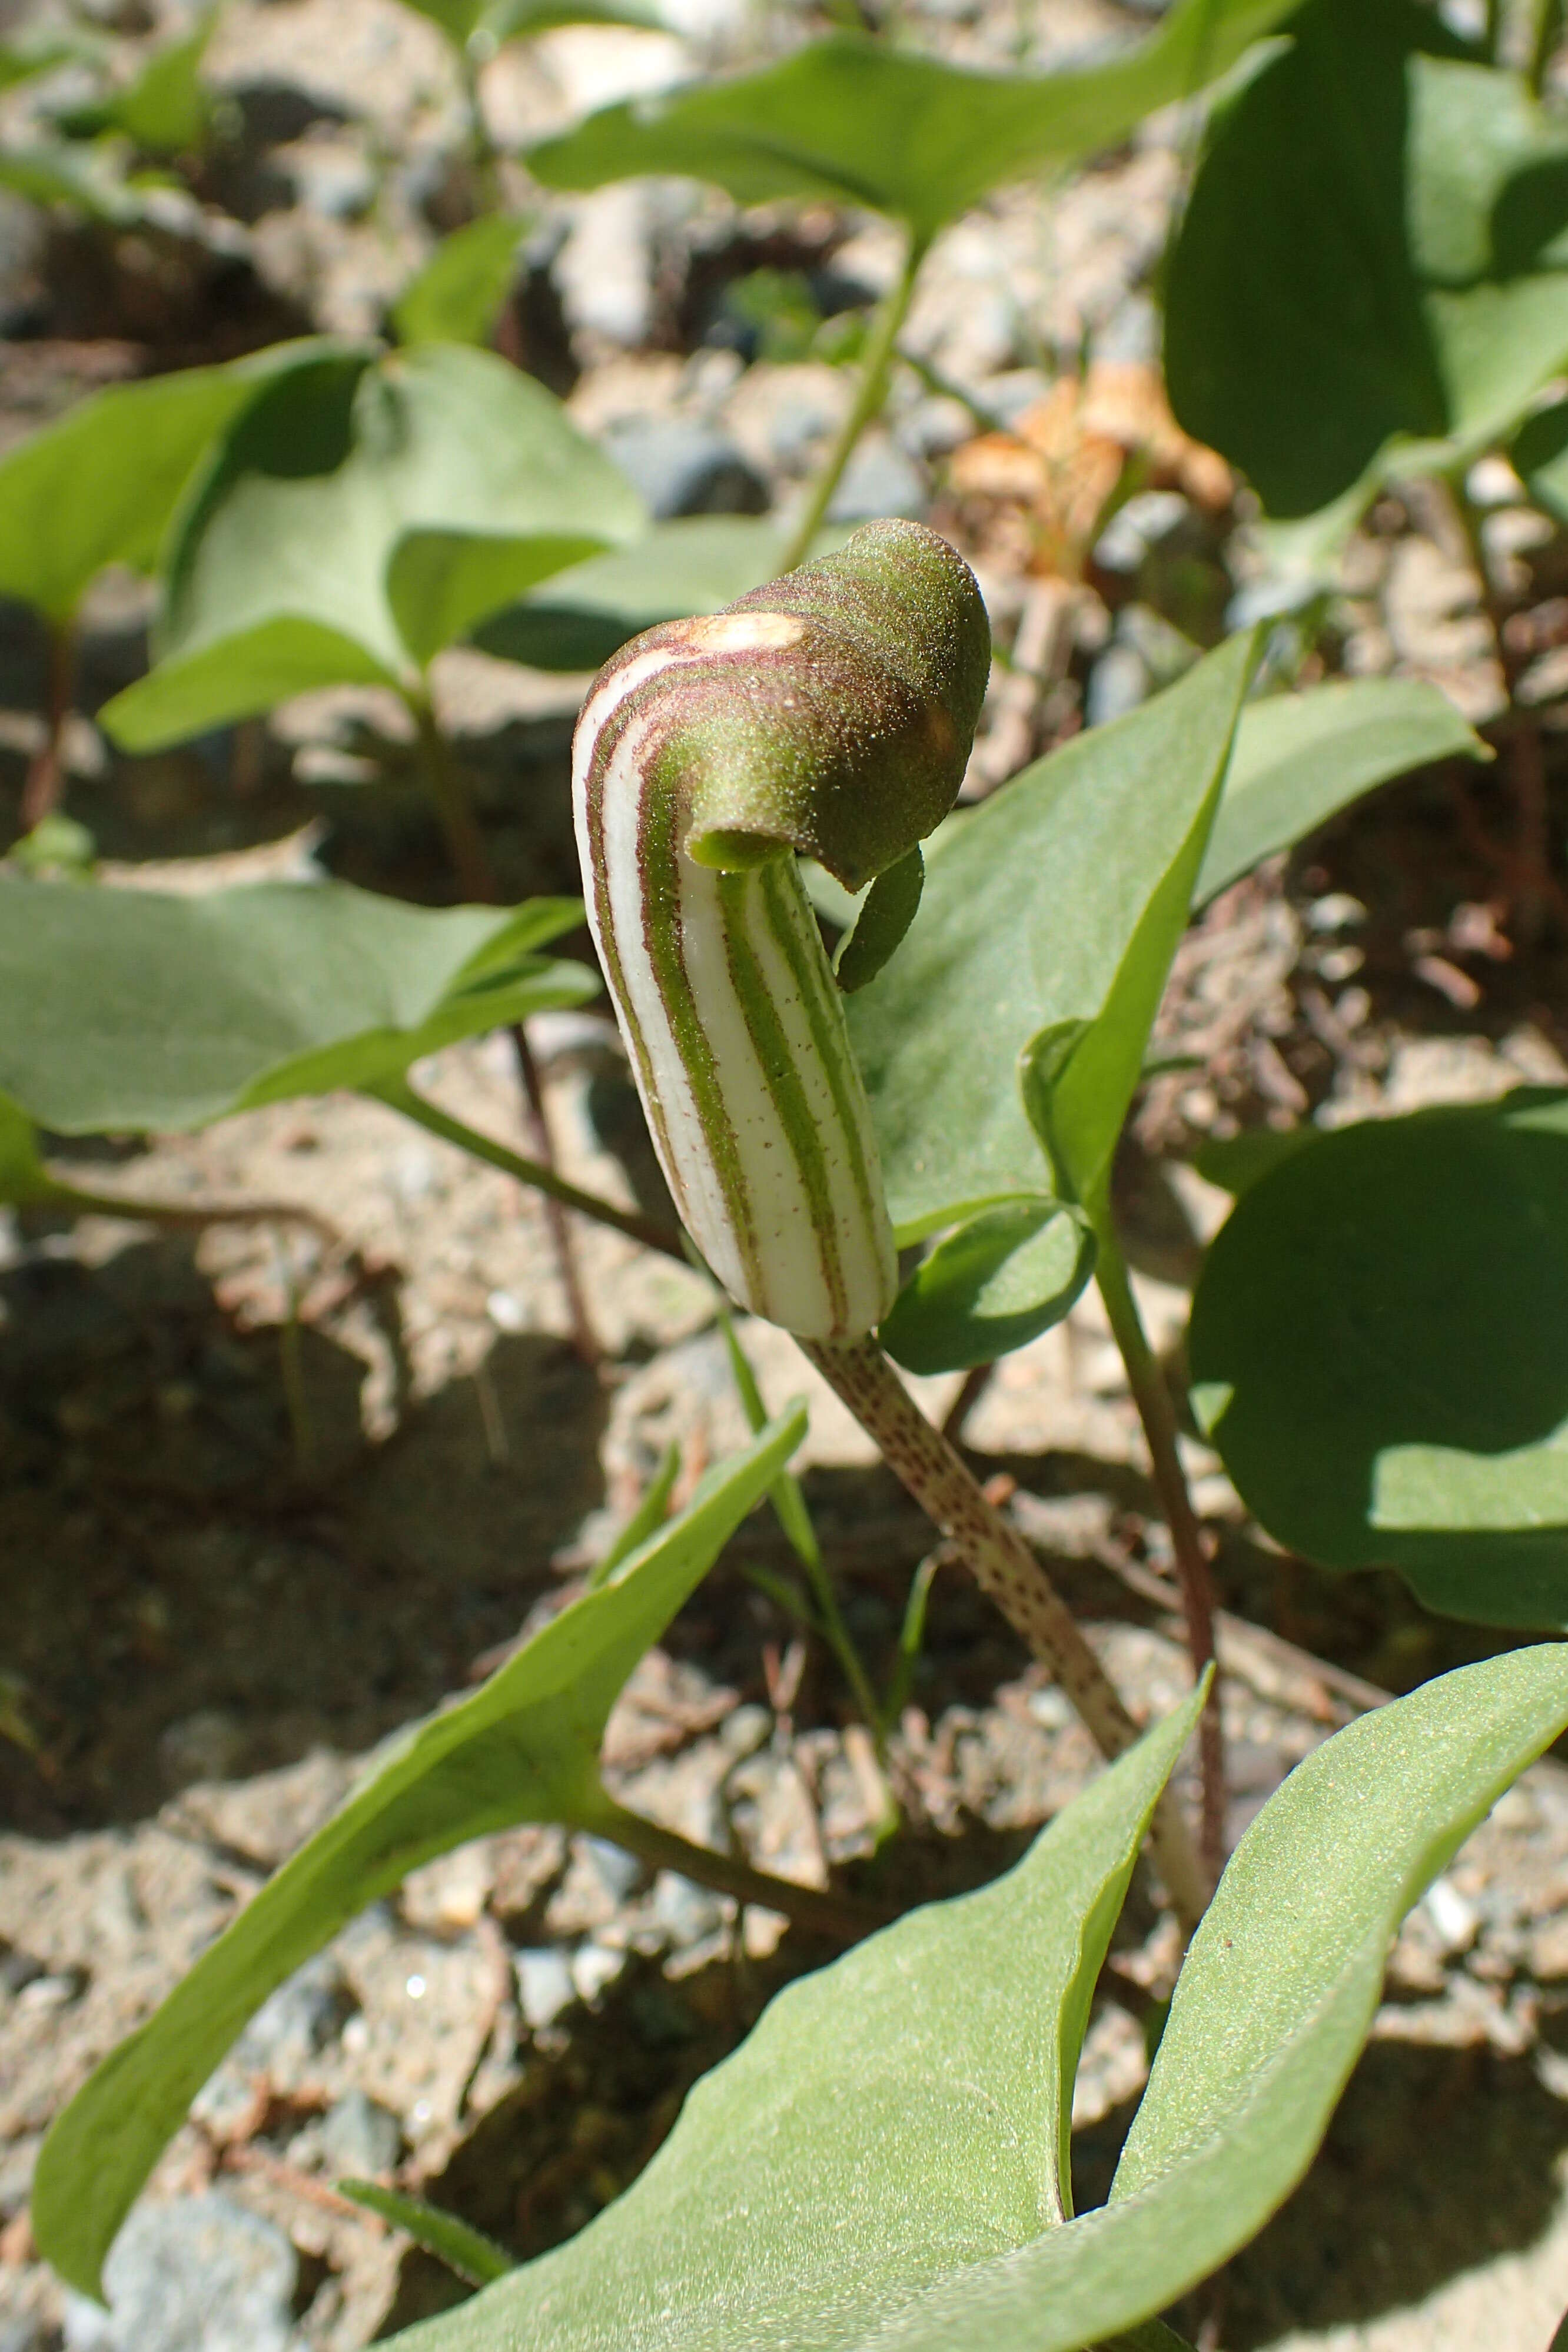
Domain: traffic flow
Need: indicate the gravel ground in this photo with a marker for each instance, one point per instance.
(417, 1462)
(516, 2031)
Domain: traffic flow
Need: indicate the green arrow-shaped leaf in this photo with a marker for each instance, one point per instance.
(883, 2165)
(857, 122)
(358, 517)
(1060, 898)
(131, 1011)
(524, 1748)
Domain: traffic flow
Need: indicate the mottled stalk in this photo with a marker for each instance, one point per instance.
(1007, 1570)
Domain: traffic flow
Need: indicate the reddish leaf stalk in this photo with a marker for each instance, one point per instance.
(1157, 1413)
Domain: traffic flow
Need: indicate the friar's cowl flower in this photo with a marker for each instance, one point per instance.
(829, 713)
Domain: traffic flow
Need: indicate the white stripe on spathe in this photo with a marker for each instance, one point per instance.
(765, 1247)
(782, 1268)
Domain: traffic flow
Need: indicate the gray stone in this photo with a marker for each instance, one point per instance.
(298, 2021)
(331, 176)
(1117, 683)
(1132, 333)
(544, 1986)
(226, 2100)
(595, 1967)
(683, 467)
(616, 1870)
(1009, 394)
(798, 430)
(684, 1911)
(360, 2138)
(879, 480)
(1137, 527)
(604, 268)
(203, 2276)
(746, 1729)
(27, 2334)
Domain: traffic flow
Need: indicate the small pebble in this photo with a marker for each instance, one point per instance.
(686, 1911)
(299, 2020)
(744, 1731)
(879, 480)
(617, 1871)
(201, 2274)
(595, 1967)
(544, 1986)
(683, 467)
(24, 2334)
(42, 1995)
(1117, 683)
(1457, 1922)
(360, 2138)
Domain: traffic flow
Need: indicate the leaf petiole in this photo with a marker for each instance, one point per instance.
(400, 1095)
(866, 406)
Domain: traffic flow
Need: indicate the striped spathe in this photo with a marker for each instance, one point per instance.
(829, 713)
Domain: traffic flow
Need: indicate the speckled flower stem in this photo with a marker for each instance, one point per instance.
(1005, 1568)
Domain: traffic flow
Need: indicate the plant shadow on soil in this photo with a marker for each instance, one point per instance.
(185, 1598)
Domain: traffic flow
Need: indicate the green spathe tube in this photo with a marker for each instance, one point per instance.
(829, 713)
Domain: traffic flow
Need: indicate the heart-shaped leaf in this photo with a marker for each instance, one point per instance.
(439, 582)
(1370, 273)
(993, 1286)
(1299, 758)
(131, 1011)
(100, 485)
(883, 2165)
(857, 122)
(1060, 898)
(523, 1748)
(355, 518)
(1376, 1348)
